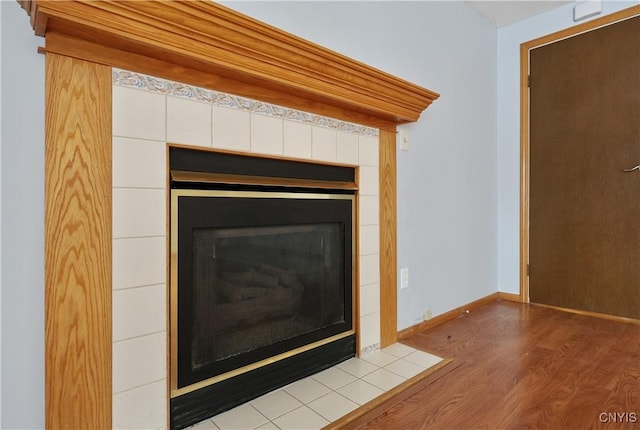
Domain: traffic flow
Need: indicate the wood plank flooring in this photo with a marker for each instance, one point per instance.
(525, 367)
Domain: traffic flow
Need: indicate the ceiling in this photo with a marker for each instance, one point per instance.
(504, 12)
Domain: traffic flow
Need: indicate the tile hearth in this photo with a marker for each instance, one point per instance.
(318, 400)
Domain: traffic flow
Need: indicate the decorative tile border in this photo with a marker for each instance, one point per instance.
(369, 349)
(125, 78)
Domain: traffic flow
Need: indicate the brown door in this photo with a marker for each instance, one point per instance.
(584, 231)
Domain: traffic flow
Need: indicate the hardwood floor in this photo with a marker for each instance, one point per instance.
(525, 367)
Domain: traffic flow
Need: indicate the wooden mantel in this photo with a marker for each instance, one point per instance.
(199, 43)
(209, 38)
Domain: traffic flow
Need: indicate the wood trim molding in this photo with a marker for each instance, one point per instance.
(621, 15)
(524, 174)
(525, 48)
(510, 297)
(78, 244)
(388, 239)
(447, 316)
(592, 314)
(206, 37)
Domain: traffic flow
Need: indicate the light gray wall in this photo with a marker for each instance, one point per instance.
(22, 221)
(509, 40)
(447, 200)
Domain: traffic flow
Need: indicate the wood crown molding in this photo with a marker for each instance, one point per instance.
(207, 37)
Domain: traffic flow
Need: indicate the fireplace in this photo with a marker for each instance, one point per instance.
(262, 276)
(84, 277)
(142, 375)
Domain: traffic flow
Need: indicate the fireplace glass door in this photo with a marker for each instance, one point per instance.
(260, 276)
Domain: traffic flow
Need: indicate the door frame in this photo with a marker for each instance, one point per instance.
(525, 49)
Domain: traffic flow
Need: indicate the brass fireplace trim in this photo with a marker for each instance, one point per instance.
(176, 392)
(173, 304)
(230, 179)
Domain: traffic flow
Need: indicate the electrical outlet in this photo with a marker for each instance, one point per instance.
(403, 139)
(404, 278)
(427, 315)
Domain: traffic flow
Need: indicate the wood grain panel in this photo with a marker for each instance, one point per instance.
(388, 240)
(78, 244)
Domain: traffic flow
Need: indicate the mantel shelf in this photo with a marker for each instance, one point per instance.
(187, 39)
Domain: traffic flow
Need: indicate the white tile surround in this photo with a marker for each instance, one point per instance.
(313, 402)
(148, 113)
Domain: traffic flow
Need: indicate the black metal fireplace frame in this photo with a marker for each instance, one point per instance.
(285, 183)
(205, 209)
